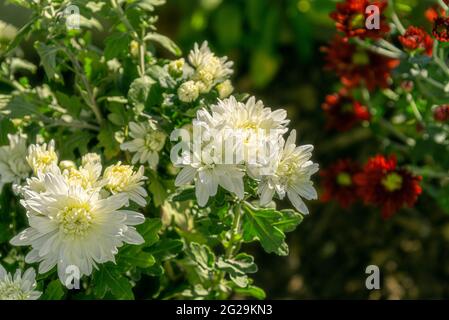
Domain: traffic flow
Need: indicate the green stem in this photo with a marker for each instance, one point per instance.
(235, 232)
(134, 35)
(397, 22)
(379, 50)
(416, 112)
(443, 5)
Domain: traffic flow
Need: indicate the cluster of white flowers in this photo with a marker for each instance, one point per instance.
(76, 214)
(18, 287)
(148, 141)
(235, 139)
(205, 72)
(13, 166)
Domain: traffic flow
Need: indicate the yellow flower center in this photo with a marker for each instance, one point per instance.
(155, 140)
(11, 291)
(75, 220)
(344, 179)
(360, 58)
(392, 182)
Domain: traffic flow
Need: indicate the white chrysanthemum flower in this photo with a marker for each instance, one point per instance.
(148, 142)
(18, 287)
(43, 157)
(207, 169)
(225, 89)
(252, 129)
(70, 226)
(122, 179)
(90, 158)
(188, 91)
(250, 115)
(209, 69)
(292, 170)
(88, 175)
(13, 165)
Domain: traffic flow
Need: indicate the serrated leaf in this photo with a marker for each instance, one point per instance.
(148, 5)
(116, 44)
(139, 90)
(252, 291)
(165, 249)
(54, 291)
(158, 190)
(6, 127)
(165, 42)
(106, 137)
(202, 255)
(185, 194)
(259, 224)
(48, 53)
(109, 278)
(149, 230)
(141, 259)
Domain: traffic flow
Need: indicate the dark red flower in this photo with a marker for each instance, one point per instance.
(343, 112)
(356, 65)
(417, 40)
(441, 29)
(350, 17)
(338, 184)
(383, 184)
(441, 113)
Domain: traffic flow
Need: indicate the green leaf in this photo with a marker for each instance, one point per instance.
(164, 42)
(202, 255)
(116, 44)
(107, 140)
(149, 230)
(69, 144)
(166, 249)
(252, 291)
(72, 104)
(139, 90)
(238, 267)
(289, 221)
(47, 53)
(260, 224)
(21, 34)
(157, 189)
(185, 194)
(54, 291)
(6, 127)
(107, 278)
(148, 5)
(139, 259)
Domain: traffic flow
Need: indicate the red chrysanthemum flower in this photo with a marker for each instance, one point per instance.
(343, 112)
(383, 184)
(350, 17)
(356, 65)
(434, 12)
(441, 29)
(338, 184)
(417, 40)
(441, 113)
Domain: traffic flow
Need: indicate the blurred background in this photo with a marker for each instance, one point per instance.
(275, 45)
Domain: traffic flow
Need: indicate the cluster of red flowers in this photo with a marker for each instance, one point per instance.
(417, 40)
(380, 183)
(357, 66)
(343, 112)
(351, 15)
